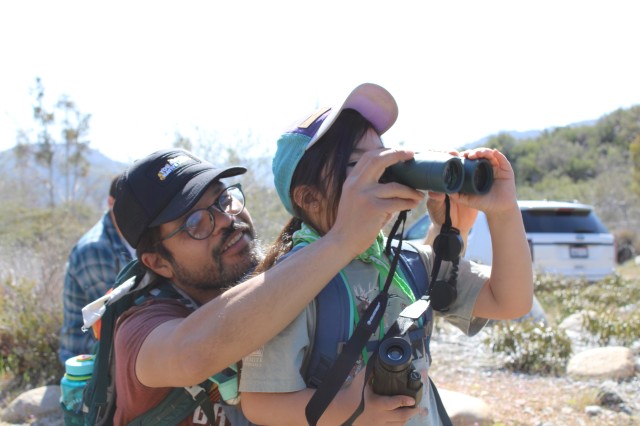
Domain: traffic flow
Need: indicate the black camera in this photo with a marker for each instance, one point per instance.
(441, 172)
(393, 372)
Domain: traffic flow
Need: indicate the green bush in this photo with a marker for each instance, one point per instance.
(608, 326)
(28, 336)
(531, 347)
(535, 348)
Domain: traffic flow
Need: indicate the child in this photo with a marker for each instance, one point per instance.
(311, 164)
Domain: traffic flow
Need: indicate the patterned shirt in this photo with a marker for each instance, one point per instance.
(92, 267)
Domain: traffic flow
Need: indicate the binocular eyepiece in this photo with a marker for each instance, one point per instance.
(441, 172)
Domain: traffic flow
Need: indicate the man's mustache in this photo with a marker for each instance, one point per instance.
(234, 227)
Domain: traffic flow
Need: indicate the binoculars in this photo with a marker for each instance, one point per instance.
(441, 172)
(393, 372)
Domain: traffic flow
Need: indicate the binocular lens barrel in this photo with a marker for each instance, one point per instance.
(478, 176)
(441, 172)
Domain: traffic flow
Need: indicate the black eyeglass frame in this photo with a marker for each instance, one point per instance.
(216, 204)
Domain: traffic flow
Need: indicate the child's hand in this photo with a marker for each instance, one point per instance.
(381, 410)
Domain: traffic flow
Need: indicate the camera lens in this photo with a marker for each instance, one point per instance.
(395, 353)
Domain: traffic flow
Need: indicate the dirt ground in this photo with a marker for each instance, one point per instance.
(466, 365)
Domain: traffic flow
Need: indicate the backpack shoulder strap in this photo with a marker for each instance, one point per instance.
(334, 314)
(334, 319)
(99, 393)
(178, 404)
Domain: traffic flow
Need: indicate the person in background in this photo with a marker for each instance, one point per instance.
(91, 270)
(194, 236)
(311, 163)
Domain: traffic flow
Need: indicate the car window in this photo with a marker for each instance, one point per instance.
(562, 221)
(419, 229)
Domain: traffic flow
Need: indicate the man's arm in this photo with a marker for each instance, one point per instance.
(187, 351)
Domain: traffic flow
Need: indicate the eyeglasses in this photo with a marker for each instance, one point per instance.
(201, 223)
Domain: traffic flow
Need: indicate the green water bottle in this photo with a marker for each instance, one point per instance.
(77, 374)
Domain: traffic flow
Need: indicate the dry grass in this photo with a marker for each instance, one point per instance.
(520, 399)
(528, 400)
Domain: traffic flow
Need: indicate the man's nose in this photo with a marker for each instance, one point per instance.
(221, 220)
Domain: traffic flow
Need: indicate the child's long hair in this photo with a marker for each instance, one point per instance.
(324, 168)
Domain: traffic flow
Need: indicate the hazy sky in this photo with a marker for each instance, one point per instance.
(460, 70)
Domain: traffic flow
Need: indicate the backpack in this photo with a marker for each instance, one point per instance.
(98, 399)
(333, 319)
(333, 325)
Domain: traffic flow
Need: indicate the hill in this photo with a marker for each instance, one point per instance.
(25, 178)
(522, 135)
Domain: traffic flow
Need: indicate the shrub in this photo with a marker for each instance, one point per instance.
(28, 336)
(535, 348)
(530, 347)
(612, 325)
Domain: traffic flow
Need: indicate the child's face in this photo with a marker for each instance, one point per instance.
(370, 141)
(322, 219)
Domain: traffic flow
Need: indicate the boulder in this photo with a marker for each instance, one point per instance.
(465, 410)
(612, 362)
(35, 403)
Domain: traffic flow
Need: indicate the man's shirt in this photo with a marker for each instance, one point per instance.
(92, 267)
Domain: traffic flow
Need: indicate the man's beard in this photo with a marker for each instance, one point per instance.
(216, 275)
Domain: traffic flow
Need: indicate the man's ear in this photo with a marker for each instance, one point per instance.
(307, 198)
(157, 264)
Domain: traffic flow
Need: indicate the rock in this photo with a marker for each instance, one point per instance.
(35, 403)
(592, 410)
(573, 325)
(607, 395)
(465, 410)
(613, 362)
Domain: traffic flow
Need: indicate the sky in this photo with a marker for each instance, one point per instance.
(459, 70)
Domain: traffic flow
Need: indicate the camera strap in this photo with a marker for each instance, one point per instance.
(409, 316)
(447, 246)
(369, 322)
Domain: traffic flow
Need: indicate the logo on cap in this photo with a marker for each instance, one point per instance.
(312, 118)
(172, 164)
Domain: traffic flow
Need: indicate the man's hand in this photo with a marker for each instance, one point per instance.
(367, 205)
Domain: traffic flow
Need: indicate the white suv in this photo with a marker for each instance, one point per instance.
(565, 238)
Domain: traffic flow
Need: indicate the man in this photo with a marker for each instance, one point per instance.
(92, 267)
(192, 232)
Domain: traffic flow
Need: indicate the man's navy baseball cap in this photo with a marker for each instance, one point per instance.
(162, 187)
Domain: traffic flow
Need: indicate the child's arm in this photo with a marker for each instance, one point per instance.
(508, 293)
(288, 408)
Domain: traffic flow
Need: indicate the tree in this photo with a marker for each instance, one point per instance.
(44, 145)
(68, 164)
(75, 127)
